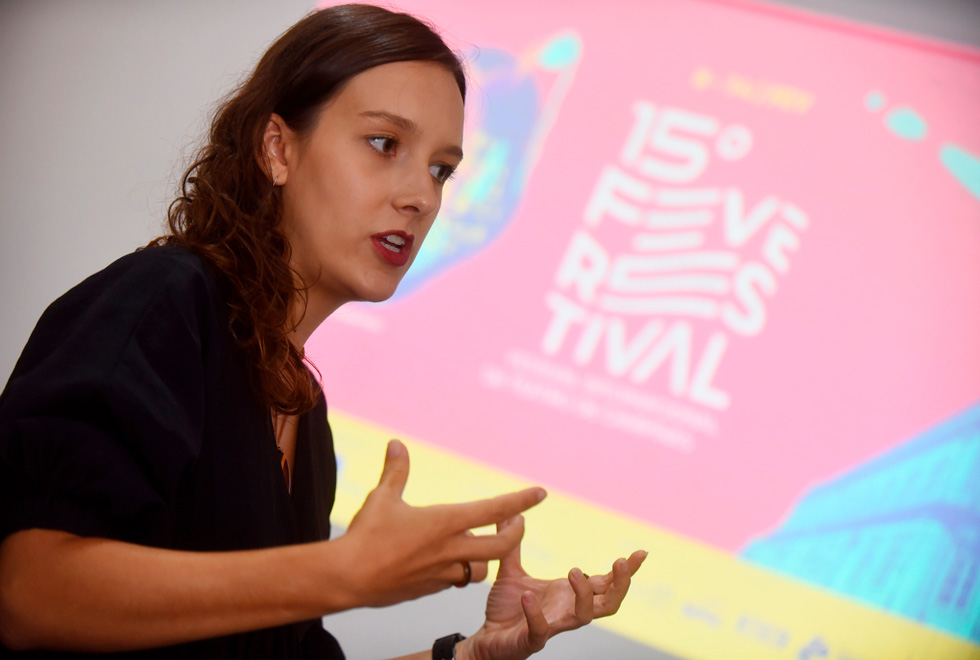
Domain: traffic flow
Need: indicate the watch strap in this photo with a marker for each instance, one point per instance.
(444, 648)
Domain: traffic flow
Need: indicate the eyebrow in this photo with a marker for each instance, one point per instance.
(407, 124)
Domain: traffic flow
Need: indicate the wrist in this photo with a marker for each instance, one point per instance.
(347, 588)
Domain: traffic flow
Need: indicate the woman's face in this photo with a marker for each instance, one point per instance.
(362, 189)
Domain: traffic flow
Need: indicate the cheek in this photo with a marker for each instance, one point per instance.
(360, 189)
(317, 204)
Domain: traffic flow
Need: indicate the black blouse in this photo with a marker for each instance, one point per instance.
(130, 416)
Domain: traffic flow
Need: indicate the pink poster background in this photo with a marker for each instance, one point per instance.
(870, 328)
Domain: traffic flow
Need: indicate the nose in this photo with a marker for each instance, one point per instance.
(418, 192)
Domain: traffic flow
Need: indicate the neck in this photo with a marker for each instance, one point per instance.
(308, 317)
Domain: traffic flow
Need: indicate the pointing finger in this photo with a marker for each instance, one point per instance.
(635, 561)
(469, 515)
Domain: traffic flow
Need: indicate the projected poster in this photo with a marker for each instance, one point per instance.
(710, 272)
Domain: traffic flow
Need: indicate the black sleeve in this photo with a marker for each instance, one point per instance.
(104, 411)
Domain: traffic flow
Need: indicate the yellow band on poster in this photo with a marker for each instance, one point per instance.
(688, 599)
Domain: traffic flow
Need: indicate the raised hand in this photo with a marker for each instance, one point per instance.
(523, 612)
(399, 552)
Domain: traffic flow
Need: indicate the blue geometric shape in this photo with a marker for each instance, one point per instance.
(963, 165)
(482, 200)
(501, 152)
(560, 51)
(901, 531)
(906, 123)
(874, 101)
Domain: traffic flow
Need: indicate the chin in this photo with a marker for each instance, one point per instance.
(379, 294)
(378, 298)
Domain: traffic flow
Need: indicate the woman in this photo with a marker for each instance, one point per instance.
(166, 466)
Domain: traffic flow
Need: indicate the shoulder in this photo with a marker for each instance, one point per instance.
(153, 267)
(160, 291)
(136, 281)
(161, 259)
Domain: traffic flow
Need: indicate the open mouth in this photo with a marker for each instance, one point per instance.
(393, 247)
(392, 242)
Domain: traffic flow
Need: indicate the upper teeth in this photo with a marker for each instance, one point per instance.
(396, 239)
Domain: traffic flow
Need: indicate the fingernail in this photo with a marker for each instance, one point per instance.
(577, 573)
(542, 493)
(395, 448)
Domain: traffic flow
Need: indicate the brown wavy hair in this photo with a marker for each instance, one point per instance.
(229, 211)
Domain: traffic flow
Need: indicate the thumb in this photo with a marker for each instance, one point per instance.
(394, 476)
(510, 564)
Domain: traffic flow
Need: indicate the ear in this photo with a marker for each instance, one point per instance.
(273, 156)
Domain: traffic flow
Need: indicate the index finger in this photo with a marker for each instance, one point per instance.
(480, 513)
(623, 571)
(601, 583)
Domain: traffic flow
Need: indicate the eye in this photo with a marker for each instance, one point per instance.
(383, 144)
(441, 172)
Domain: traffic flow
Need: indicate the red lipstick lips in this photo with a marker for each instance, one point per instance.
(395, 247)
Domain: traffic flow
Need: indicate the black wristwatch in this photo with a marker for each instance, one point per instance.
(444, 648)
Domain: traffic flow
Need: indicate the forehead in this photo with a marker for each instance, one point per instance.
(424, 93)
